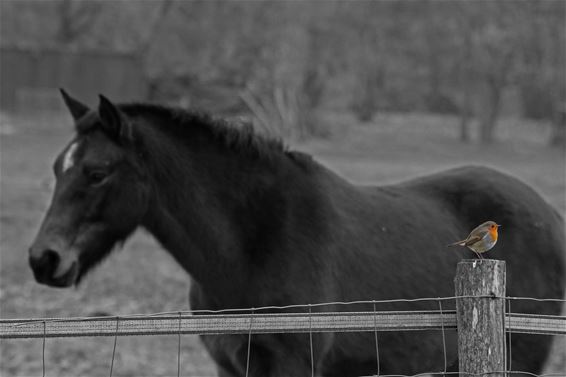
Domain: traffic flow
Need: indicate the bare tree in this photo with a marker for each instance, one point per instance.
(496, 51)
(488, 50)
(154, 24)
(369, 58)
(370, 75)
(76, 18)
(439, 53)
(465, 79)
(542, 59)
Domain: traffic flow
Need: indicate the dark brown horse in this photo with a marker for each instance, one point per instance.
(254, 224)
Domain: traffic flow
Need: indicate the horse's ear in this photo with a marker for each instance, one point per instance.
(77, 109)
(114, 121)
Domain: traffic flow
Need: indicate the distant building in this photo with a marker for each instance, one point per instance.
(30, 76)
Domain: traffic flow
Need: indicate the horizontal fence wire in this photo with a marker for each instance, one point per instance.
(242, 321)
(229, 324)
(263, 324)
(470, 374)
(536, 324)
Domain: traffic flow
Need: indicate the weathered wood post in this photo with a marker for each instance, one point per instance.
(481, 326)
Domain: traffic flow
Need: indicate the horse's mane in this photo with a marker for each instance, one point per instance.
(238, 136)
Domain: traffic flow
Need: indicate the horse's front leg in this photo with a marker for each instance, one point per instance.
(230, 353)
(287, 355)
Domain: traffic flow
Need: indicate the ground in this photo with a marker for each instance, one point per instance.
(142, 278)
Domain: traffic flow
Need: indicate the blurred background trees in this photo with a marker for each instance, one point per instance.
(285, 62)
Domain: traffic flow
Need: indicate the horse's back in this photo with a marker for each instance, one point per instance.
(532, 232)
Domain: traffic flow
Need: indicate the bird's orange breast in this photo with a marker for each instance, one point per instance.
(493, 233)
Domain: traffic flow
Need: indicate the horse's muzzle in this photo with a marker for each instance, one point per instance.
(49, 269)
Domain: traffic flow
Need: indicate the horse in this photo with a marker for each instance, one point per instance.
(256, 224)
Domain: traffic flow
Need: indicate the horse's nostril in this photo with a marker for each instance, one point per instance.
(45, 265)
(50, 260)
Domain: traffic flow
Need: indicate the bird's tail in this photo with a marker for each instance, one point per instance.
(459, 243)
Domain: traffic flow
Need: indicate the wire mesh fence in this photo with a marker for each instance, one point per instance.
(279, 319)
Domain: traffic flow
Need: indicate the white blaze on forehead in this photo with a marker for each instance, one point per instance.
(69, 158)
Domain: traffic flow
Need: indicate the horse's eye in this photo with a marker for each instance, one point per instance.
(95, 176)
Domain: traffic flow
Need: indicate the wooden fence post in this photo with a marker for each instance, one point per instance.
(481, 321)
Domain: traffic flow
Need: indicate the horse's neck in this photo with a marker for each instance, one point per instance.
(208, 230)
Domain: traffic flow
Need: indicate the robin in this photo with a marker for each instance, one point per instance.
(481, 239)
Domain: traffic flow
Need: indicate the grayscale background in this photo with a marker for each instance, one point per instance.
(377, 91)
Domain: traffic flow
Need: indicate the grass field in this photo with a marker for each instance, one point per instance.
(144, 279)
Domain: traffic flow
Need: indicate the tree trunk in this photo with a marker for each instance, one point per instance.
(492, 107)
(75, 19)
(465, 117)
(466, 106)
(558, 138)
(465, 81)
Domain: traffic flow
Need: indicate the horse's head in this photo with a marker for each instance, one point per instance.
(100, 197)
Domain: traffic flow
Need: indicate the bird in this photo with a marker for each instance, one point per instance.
(481, 239)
